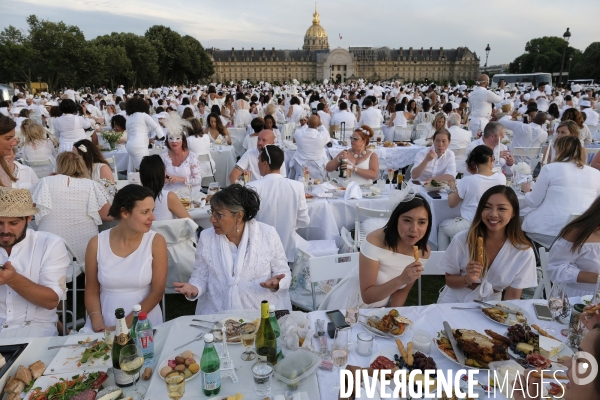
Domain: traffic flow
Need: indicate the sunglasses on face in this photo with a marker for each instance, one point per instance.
(355, 138)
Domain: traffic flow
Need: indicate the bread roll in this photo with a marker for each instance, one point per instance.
(24, 375)
(37, 369)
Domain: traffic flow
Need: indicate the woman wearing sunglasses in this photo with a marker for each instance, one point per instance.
(362, 165)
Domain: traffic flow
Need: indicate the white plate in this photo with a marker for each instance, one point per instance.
(217, 334)
(435, 343)
(380, 314)
(45, 381)
(433, 188)
(510, 317)
(67, 358)
(565, 352)
(372, 194)
(164, 363)
(586, 300)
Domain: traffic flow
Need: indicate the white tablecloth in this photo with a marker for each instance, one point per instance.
(237, 136)
(392, 157)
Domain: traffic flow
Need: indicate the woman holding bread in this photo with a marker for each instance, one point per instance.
(494, 255)
(391, 260)
(575, 254)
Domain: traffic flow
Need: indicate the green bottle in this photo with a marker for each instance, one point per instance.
(136, 309)
(122, 339)
(276, 329)
(266, 342)
(210, 365)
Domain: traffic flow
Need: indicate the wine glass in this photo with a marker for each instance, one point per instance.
(306, 174)
(339, 355)
(247, 175)
(188, 184)
(559, 305)
(175, 381)
(248, 332)
(109, 338)
(131, 361)
(349, 169)
(390, 172)
(352, 312)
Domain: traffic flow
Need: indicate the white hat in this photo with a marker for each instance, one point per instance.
(576, 88)
(526, 96)
(584, 103)
(163, 114)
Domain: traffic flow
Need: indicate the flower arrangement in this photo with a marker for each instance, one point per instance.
(522, 168)
(112, 137)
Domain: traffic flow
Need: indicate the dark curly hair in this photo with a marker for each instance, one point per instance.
(126, 198)
(135, 104)
(68, 106)
(236, 198)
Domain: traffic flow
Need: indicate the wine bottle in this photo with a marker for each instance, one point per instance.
(210, 367)
(122, 338)
(266, 342)
(342, 171)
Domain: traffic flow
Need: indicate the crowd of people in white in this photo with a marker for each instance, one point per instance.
(472, 133)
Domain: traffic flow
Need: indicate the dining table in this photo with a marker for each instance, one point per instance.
(395, 157)
(174, 333)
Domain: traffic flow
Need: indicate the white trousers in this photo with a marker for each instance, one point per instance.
(477, 124)
(449, 228)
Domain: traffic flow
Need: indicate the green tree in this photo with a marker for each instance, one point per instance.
(589, 64)
(16, 54)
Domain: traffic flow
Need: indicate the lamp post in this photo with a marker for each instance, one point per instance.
(487, 53)
(566, 36)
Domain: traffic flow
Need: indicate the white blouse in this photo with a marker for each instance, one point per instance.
(70, 128)
(189, 169)
(26, 177)
(443, 165)
(470, 189)
(512, 267)
(42, 150)
(561, 189)
(564, 265)
(140, 126)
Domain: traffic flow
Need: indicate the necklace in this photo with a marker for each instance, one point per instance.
(362, 153)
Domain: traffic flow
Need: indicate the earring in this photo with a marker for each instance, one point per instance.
(236, 227)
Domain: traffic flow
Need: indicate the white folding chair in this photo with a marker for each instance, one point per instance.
(252, 141)
(359, 234)
(75, 269)
(205, 158)
(402, 134)
(423, 131)
(431, 268)
(40, 163)
(329, 267)
(112, 162)
(530, 153)
(155, 150)
(544, 285)
(377, 132)
(347, 239)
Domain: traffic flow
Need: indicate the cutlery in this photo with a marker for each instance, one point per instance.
(208, 329)
(460, 356)
(466, 308)
(199, 337)
(208, 322)
(506, 310)
(88, 344)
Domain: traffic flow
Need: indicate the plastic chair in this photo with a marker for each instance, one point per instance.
(402, 134)
(531, 153)
(205, 158)
(431, 268)
(545, 283)
(359, 234)
(422, 131)
(40, 163)
(112, 162)
(75, 269)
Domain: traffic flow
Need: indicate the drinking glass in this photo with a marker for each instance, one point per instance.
(131, 361)
(378, 140)
(262, 371)
(305, 174)
(339, 355)
(109, 338)
(247, 332)
(349, 169)
(188, 184)
(247, 175)
(352, 312)
(175, 381)
(558, 303)
(213, 187)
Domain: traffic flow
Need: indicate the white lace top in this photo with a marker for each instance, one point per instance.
(564, 266)
(189, 169)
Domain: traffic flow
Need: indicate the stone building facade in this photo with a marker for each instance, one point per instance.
(316, 62)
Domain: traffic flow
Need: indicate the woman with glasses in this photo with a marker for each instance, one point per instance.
(363, 163)
(239, 261)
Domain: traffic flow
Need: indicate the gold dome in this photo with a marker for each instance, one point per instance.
(315, 37)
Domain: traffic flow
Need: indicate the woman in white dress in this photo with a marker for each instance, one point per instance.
(270, 125)
(217, 133)
(199, 143)
(70, 127)
(387, 267)
(242, 116)
(506, 261)
(227, 111)
(575, 254)
(296, 111)
(109, 112)
(363, 163)
(38, 147)
(181, 164)
(467, 192)
(167, 205)
(140, 127)
(424, 117)
(564, 187)
(26, 177)
(565, 128)
(239, 261)
(98, 167)
(126, 265)
(71, 205)
(213, 98)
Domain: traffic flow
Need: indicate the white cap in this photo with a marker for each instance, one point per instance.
(271, 308)
(208, 338)
(584, 103)
(137, 308)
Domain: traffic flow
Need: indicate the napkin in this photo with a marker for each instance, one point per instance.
(353, 191)
(134, 177)
(520, 178)
(289, 145)
(325, 195)
(323, 188)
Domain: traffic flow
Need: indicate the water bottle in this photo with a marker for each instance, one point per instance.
(145, 338)
(275, 325)
(136, 310)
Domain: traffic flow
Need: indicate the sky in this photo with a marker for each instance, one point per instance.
(505, 25)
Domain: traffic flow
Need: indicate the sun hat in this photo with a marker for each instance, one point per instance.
(16, 203)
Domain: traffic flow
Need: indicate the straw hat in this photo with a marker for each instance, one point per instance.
(16, 203)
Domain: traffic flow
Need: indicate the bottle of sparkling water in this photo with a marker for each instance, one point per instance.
(145, 338)
(136, 310)
(276, 329)
(210, 365)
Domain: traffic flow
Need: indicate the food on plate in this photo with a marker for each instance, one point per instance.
(480, 348)
(388, 144)
(189, 366)
(186, 202)
(549, 347)
(547, 375)
(98, 351)
(23, 374)
(37, 369)
(402, 144)
(392, 323)
(165, 370)
(187, 354)
(2, 361)
(501, 316)
(419, 361)
(109, 393)
(14, 385)
(308, 196)
(497, 336)
(24, 378)
(593, 309)
(341, 188)
(79, 387)
(433, 183)
(371, 147)
(543, 332)
(239, 396)
(523, 349)
(556, 390)
(538, 361)
(383, 362)
(403, 352)
(409, 350)
(421, 378)
(194, 368)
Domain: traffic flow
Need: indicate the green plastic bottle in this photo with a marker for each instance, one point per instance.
(210, 365)
(136, 310)
(266, 342)
(276, 329)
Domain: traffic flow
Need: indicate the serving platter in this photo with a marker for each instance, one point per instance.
(511, 319)
(377, 332)
(165, 363)
(67, 360)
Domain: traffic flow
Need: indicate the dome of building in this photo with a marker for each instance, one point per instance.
(315, 37)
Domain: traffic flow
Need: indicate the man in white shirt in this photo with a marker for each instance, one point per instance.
(33, 274)
(249, 160)
(371, 117)
(492, 136)
(344, 115)
(70, 93)
(310, 151)
(120, 91)
(436, 162)
(591, 115)
(324, 114)
(480, 103)
(461, 138)
(540, 92)
(527, 135)
(377, 90)
(282, 200)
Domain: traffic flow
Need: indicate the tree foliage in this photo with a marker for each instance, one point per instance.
(589, 65)
(60, 55)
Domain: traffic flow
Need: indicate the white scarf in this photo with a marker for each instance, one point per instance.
(233, 268)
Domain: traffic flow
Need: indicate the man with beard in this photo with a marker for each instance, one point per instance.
(33, 271)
